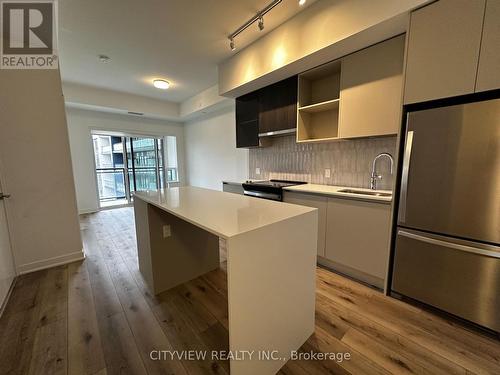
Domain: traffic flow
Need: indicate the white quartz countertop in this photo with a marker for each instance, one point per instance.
(334, 191)
(223, 214)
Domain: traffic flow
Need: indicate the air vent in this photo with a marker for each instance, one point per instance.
(135, 113)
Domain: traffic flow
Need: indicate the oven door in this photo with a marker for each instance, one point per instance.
(263, 195)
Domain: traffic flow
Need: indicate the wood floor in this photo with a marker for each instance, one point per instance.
(97, 317)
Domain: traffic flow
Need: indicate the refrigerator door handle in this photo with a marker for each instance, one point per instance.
(451, 245)
(404, 178)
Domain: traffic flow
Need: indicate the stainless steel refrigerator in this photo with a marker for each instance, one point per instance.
(447, 251)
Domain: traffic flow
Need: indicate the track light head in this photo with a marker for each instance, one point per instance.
(261, 23)
(231, 44)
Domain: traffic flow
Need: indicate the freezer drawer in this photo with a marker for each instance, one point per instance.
(459, 277)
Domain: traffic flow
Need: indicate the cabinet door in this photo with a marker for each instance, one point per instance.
(371, 84)
(315, 201)
(488, 74)
(278, 106)
(247, 107)
(247, 120)
(247, 134)
(443, 50)
(357, 237)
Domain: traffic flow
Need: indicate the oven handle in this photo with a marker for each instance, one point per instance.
(260, 194)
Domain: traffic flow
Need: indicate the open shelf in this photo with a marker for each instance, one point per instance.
(318, 112)
(320, 107)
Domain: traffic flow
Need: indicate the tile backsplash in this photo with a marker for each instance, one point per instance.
(349, 161)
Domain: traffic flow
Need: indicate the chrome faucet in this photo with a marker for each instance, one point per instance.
(375, 176)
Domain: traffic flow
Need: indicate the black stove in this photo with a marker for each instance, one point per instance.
(272, 189)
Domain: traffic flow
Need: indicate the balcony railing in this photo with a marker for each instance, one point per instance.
(111, 183)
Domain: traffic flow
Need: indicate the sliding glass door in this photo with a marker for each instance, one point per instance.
(145, 163)
(110, 172)
(128, 164)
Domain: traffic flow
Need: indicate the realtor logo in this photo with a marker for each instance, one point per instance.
(29, 35)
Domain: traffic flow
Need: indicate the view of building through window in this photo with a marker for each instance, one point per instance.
(128, 164)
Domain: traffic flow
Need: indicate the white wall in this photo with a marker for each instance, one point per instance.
(82, 122)
(211, 153)
(36, 170)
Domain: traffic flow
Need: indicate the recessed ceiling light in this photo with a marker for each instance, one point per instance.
(161, 84)
(302, 2)
(104, 59)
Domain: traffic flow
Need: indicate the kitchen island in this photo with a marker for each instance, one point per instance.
(271, 261)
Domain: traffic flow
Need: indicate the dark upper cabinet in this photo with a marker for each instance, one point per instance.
(278, 106)
(247, 120)
(272, 108)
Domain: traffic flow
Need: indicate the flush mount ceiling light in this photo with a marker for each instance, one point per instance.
(302, 2)
(104, 59)
(259, 17)
(161, 84)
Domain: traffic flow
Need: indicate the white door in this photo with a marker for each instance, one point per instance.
(7, 270)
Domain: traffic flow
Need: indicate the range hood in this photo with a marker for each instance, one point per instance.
(278, 133)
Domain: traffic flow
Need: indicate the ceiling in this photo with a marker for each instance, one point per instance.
(181, 41)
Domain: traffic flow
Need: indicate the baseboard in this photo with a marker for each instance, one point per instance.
(117, 206)
(4, 303)
(88, 211)
(352, 273)
(51, 262)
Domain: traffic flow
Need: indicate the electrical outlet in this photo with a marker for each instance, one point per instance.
(166, 231)
(257, 170)
(328, 173)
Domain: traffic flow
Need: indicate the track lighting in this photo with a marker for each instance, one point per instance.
(259, 17)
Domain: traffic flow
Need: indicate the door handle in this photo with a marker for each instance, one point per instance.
(489, 251)
(4, 196)
(405, 176)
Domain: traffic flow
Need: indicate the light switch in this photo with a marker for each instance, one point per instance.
(166, 231)
(328, 173)
(257, 170)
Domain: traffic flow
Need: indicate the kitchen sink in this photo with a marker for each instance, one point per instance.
(365, 192)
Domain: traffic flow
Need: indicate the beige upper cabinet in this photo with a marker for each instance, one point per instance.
(443, 49)
(371, 87)
(488, 74)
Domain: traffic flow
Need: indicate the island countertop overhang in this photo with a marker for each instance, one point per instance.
(223, 214)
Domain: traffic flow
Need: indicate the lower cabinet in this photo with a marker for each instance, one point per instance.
(357, 239)
(232, 188)
(316, 201)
